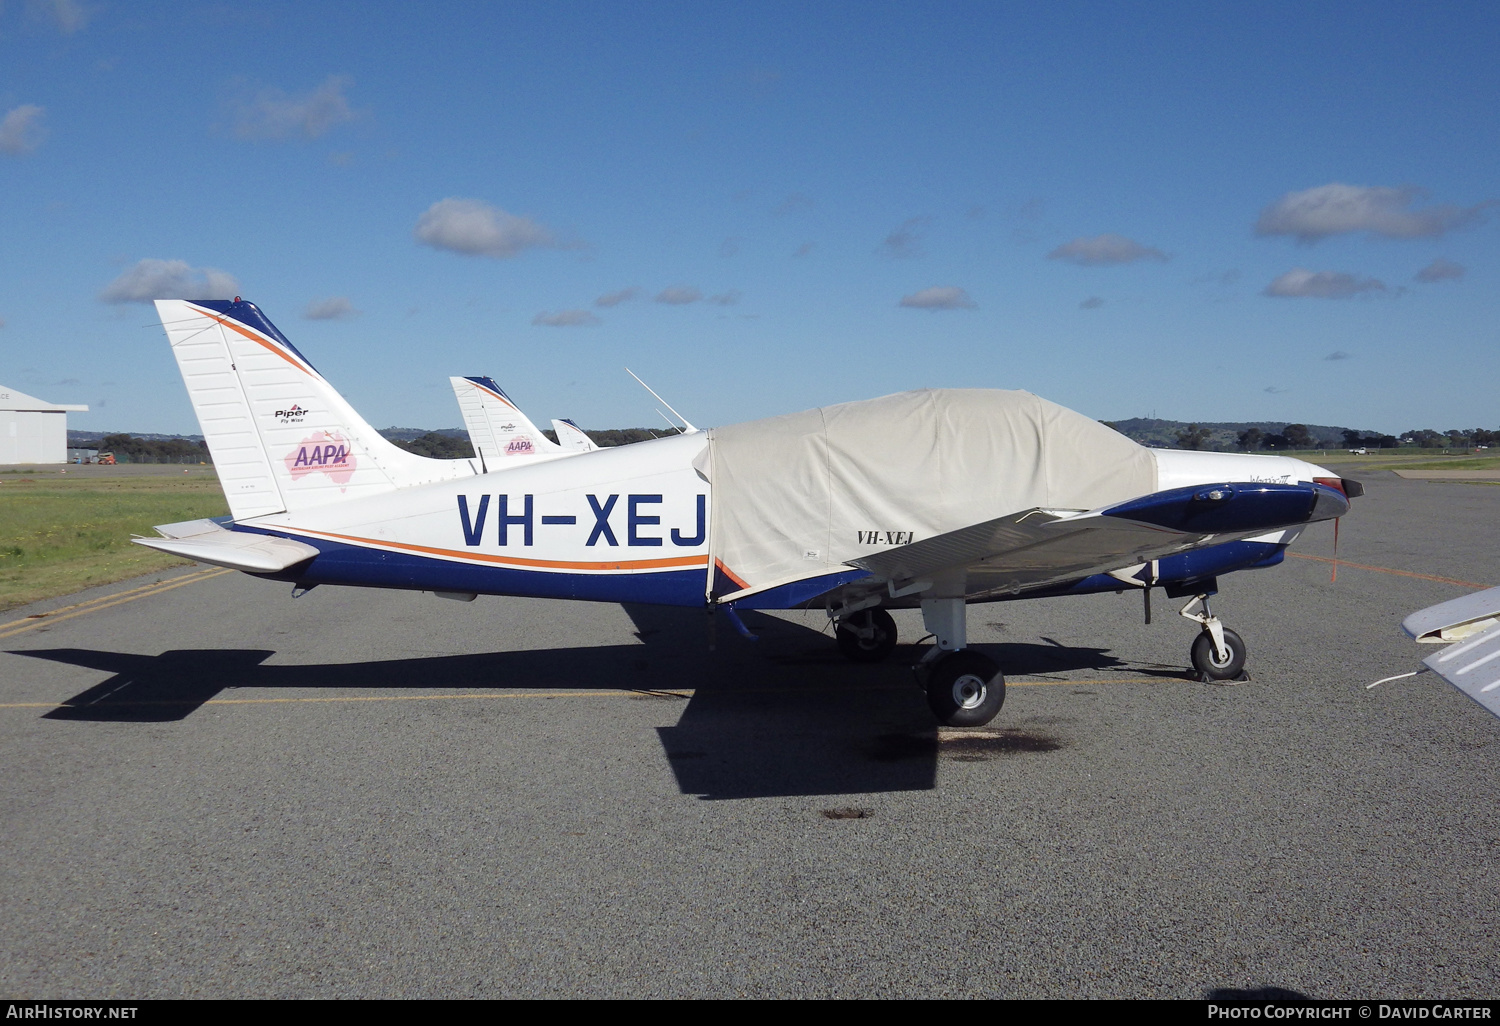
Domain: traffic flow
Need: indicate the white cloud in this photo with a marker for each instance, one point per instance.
(906, 239)
(475, 228)
(20, 130)
(566, 319)
(616, 298)
(68, 15)
(939, 297)
(726, 299)
(1337, 209)
(272, 114)
(679, 295)
(1104, 249)
(169, 279)
(1300, 282)
(330, 309)
(1441, 270)
(1091, 303)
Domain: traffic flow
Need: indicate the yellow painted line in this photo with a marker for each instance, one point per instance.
(10, 630)
(350, 698)
(1388, 570)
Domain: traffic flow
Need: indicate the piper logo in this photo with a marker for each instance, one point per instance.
(292, 415)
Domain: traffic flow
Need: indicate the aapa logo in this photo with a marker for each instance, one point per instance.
(519, 447)
(322, 453)
(292, 415)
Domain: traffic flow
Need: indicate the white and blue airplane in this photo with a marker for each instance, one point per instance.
(930, 499)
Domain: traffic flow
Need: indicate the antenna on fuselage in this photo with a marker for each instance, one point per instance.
(690, 428)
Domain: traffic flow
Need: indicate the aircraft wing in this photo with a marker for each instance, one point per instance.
(1039, 547)
(1472, 663)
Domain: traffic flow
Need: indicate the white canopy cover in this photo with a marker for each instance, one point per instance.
(799, 495)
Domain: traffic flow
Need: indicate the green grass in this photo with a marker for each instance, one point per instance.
(1447, 463)
(61, 534)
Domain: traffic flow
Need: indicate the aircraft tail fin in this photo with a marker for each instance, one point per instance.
(501, 433)
(572, 437)
(282, 438)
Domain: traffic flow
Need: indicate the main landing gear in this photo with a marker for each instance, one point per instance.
(1218, 653)
(964, 688)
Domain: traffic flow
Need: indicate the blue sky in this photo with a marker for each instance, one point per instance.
(1213, 212)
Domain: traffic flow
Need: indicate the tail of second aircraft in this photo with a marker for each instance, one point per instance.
(571, 437)
(281, 437)
(501, 433)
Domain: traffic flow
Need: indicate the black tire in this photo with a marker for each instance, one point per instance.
(872, 649)
(1206, 662)
(965, 689)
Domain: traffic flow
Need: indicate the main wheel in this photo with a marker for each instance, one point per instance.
(872, 649)
(965, 689)
(1207, 662)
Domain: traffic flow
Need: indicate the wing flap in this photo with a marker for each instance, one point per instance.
(1472, 666)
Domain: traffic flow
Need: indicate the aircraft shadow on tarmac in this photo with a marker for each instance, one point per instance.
(785, 715)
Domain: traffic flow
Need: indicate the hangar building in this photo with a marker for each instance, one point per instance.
(32, 431)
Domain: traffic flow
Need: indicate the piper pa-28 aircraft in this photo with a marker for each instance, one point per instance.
(932, 498)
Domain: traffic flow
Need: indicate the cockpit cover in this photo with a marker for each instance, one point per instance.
(797, 496)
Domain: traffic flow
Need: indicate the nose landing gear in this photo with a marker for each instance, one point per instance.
(1218, 653)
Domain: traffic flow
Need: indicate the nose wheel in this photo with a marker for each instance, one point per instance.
(1228, 665)
(1218, 653)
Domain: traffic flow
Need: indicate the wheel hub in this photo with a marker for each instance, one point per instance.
(968, 691)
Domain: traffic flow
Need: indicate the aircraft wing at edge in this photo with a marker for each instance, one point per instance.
(1472, 663)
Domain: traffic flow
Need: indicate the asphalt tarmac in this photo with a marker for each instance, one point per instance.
(213, 789)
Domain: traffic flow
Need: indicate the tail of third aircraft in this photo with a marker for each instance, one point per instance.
(281, 437)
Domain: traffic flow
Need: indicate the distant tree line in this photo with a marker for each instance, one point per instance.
(132, 447)
(440, 445)
(1298, 436)
(437, 446)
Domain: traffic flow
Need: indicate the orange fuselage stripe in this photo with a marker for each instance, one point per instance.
(551, 564)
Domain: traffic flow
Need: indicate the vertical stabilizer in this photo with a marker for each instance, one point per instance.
(571, 437)
(501, 433)
(282, 438)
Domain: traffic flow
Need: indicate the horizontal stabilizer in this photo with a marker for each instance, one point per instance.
(206, 542)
